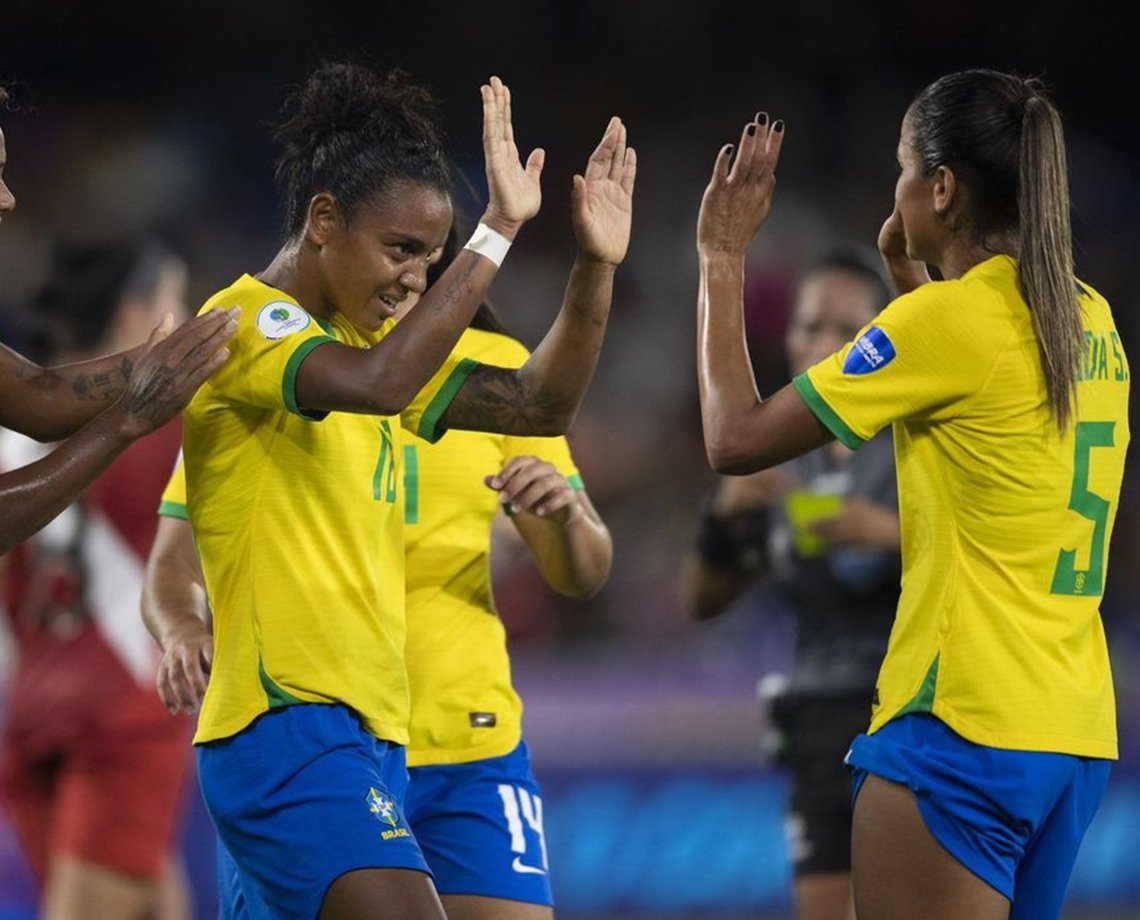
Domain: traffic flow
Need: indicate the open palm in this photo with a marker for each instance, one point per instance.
(601, 203)
(514, 189)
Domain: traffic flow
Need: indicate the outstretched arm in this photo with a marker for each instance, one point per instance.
(542, 397)
(384, 379)
(565, 534)
(175, 611)
(51, 403)
(742, 433)
(173, 366)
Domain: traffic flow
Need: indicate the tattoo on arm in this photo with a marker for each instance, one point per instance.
(455, 289)
(497, 399)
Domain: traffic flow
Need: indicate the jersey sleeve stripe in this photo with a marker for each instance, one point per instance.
(576, 482)
(174, 510)
(289, 381)
(430, 429)
(825, 413)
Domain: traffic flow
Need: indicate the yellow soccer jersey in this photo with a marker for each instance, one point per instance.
(463, 705)
(174, 495)
(298, 519)
(1006, 522)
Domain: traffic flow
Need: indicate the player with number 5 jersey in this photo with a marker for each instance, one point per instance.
(1007, 388)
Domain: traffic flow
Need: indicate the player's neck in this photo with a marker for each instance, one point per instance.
(964, 252)
(287, 273)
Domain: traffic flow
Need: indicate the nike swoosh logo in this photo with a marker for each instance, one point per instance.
(519, 866)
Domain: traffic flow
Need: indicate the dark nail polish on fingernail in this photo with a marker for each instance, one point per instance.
(778, 126)
(730, 148)
(751, 129)
(762, 118)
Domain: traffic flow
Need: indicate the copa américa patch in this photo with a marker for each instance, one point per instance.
(281, 318)
(872, 351)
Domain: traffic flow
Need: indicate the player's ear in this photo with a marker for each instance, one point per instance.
(944, 190)
(324, 219)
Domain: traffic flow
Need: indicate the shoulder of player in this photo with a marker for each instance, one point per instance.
(970, 312)
(492, 348)
(1090, 295)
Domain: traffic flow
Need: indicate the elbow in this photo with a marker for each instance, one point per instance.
(550, 426)
(729, 457)
(582, 589)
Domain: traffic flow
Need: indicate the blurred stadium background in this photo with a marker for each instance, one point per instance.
(644, 727)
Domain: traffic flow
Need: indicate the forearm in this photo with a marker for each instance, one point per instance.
(543, 396)
(906, 274)
(574, 557)
(32, 496)
(384, 379)
(174, 592)
(50, 403)
(742, 433)
(725, 382)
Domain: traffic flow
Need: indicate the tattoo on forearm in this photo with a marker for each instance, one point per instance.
(494, 399)
(100, 386)
(455, 289)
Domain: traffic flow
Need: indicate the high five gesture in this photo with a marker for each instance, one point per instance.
(739, 195)
(514, 190)
(601, 203)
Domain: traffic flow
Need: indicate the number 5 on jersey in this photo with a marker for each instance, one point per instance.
(1067, 579)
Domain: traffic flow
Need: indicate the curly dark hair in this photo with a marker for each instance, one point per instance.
(351, 133)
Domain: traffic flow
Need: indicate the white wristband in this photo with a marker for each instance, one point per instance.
(489, 243)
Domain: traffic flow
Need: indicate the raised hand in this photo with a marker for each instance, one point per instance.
(739, 195)
(172, 368)
(601, 203)
(527, 485)
(514, 190)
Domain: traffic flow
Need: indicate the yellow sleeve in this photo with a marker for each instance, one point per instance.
(173, 502)
(555, 451)
(273, 338)
(919, 359)
(424, 416)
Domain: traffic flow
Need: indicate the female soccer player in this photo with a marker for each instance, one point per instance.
(473, 802)
(293, 470)
(92, 764)
(993, 726)
(825, 529)
(99, 407)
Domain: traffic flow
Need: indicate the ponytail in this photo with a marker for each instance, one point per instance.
(1003, 139)
(1045, 274)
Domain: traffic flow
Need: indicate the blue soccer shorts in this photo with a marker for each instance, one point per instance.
(300, 797)
(479, 825)
(1013, 818)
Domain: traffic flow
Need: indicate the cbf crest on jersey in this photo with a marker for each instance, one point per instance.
(281, 318)
(385, 811)
(872, 351)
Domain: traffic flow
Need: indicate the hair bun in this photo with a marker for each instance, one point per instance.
(347, 99)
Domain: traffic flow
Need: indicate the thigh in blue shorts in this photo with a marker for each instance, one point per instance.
(300, 797)
(1013, 818)
(480, 827)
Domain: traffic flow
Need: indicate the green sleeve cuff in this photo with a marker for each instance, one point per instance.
(576, 483)
(174, 510)
(289, 382)
(430, 427)
(831, 421)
